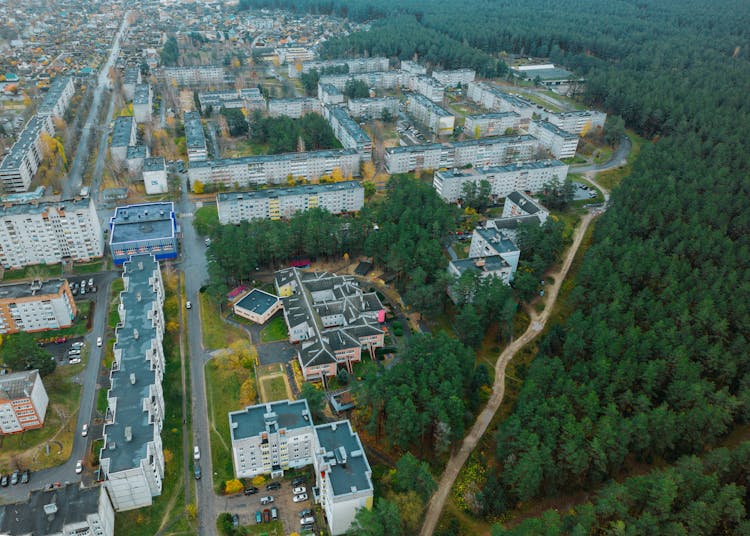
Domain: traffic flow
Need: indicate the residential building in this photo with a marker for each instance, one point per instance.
(294, 108)
(331, 318)
(413, 67)
(135, 155)
(132, 458)
(36, 306)
(491, 124)
(519, 204)
(329, 94)
(149, 228)
(266, 169)
(376, 80)
(492, 253)
(69, 510)
(342, 473)
(494, 99)
(278, 203)
(257, 306)
(155, 175)
(58, 97)
(493, 151)
(439, 120)
(523, 176)
(559, 142)
(578, 122)
(248, 98)
(130, 78)
(142, 103)
(373, 108)
(294, 54)
(195, 139)
(23, 402)
(268, 439)
(208, 75)
(348, 131)
(49, 233)
(123, 136)
(455, 77)
(429, 87)
(22, 161)
(351, 65)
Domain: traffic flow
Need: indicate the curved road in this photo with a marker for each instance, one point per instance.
(618, 158)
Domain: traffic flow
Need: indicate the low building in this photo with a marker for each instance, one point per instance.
(493, 253)
(257, 306)
(58, 97)
(36, 306)
(559, 142)
(142, 103)
(195, 139)
(439, 120)
(22, 161)
(155, 175)
(373, 108)
(278, 203)
(149, 228)
(69, 510)
(330, 94)
(294, 54)
(134, 158)
(123, 136)
(491, 124)
(519, 204)
(348, 131)
(294, 108)
(208, 75)
(23, 402)
(579, 122)
(455, 77)
(132, 458)
(548, 75)
(130, 78)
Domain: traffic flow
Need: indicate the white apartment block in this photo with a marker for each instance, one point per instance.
(518, 204)
(439, 120)
(492, 124)
(130, 78)
(376, 80)
(188, 76)
(354, 66)
(36, 306)
(195, 139)
(330, 94)
(413, 67)
(274, 169)
(429, 87)
(492, 98)
(373, 108)
(294, 54)
(522, 176)
(559, 142)
(135, 155)
(132, 458)
(23, 402)
(348, 131)
(48, 233)
(248, 98)
(495, 151)
(294, 108)
(22, 161)
(268, 439)
(579, 122)
(454, 78)
(123, 136)
(142, 103)
(58, 97)
(155, 175)
(278, 203)
(489, 241)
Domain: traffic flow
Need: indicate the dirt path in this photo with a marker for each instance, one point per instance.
(536, 324)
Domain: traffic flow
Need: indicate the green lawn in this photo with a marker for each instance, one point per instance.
(40, 271)
(275, 388)
(216, 332)
(206, 219)
(101, 400)
(88, 268)
(113, 317)
(274, 528)
(275, 330)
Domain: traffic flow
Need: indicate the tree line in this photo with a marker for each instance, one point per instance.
(286, 135)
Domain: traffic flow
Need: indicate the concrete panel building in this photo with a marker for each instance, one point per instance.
(134, 158)
(491, 124)
(208, 75)
(23, 402)
(376, 80)
(559, 142)
(58, 97)
(429, 87)
(455, 77)
(278, 203)
(155, 175)
(413, 67)
(149, 228)
(373, 108)
(22, 161)
(578, 122)
(274, 169)
(494, 99)
(439, 120)
(123, 136)
(142, 103)
(257, 306)
(294, 108)
(36, 306)
(330, 94)
(195, 139)
(519, 204)
(48, 233)
(248, 98)
(130, 78)
(348, 131)
(132, 458)
(351, 65)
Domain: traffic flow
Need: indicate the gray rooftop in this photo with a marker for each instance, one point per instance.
(349, 469)
(548, 74)
(131, 75)
(155, 163)
(489, 140)
(148, 221)
(554, 129)
(330, 89)
(269, 418)
(54, 93)
(17, 384)
(492, 115)
(136, 151)
(134, 337)
(257, 301)
(489, 264)
(194, 136)
(349, 124)
(427, 103)
(308, 189)
(526, 203)
(26, 139)
(141, 94)
(122, 130)
(36, 288)
(72, 504)
(258, 159)
(488, 170)
(39, 208)
(497, 239)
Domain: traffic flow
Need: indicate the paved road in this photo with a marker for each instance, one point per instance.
(618, 158)
(88, 377)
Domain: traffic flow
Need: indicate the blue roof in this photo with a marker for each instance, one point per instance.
(257, 301)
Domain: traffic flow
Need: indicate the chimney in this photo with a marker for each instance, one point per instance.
(136, 335)
(128, 434)
(140, 265)
(111, 445)
(51, 509)
(132, 378)
(138, 297)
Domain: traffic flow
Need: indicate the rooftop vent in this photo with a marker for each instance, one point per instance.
(128, 433)
(50, 509)
(132, 378)
(356, 453)
(138, 296)
(111, 445)
(140, 265)
(136, 335)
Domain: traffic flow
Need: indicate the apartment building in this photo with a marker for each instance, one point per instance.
(294, 108)
(195, 139)
(373, 108)
(142, 103)
(522, 176)
(413, 67)
(123, 136)
(491, 124)
(294, 54)
(155, 175)
(268, 169)
(494, 151)
(559, 142)
(132, 458)
(207, 75)
(69, 510)
(130, 78)
(518, 204)
(48, 233)
(348, 131)
(429, 87)
(135, 155)
(492, 254)
(455, 77)
(492, 98)
(268, 439)
(329, 94)
(352, 66)
(22, 161)
(376, 80)
(148, 228)
(36, 306)
(248, 98)
(23, 402)
(578, 122)
(439, 120)
(58, 97)
(278, 203)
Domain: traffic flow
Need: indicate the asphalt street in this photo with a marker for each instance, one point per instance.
(618, 158)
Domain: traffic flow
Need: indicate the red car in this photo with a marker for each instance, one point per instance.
(266, 515)
(61, 340)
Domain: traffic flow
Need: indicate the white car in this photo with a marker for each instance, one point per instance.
(266, 500)
(74, 360)
(300, 489)
(299, 498)
(77, 345)
(98, 341)
(188, 305)
(196, 453)
(85, 430)
(79, 467)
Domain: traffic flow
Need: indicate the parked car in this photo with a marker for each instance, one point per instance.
(274, 513)
(85, 430)
(307, 529)
(91, 281)
(252, 490)
(74, 360)
(98, 341)
(298, 481)
(306, 512)
(83, 290)
(307, 520)
(235, 520)
(266, 500)
(79, 467)
(300, 498)
(15, 477)
(77, 345)
(4, 481)
(25, 476)
(197, 471)
(188, 305)
(267, 515)
(196, 453)
(273, 485)
(258, 517)
(74, 351)
(298, 490)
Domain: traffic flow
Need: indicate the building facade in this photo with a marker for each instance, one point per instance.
(195, 139)
(578, 122)
(559, 142)
(455, 77)
(123, 136)
(190, 76)
(519, 204)
(492, 124)
(294, 108)
(22, 161)
(348, 131)
(48, 233)
(373, 108)
(23, 402)
(132, 458)
(330, 94)
(257, 306)
(142, 103)
(429, 87)
(351, 65)
(149, 228)
(493, 98)
(130, 78)
(439, 120)
(36, 306)
(58, 97)
(155, 175)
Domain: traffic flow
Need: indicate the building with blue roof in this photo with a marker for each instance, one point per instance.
(257, 306)
(148, 228)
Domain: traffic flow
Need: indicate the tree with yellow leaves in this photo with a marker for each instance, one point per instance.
(233, 486)
(368, 170)
(259, 480)
(198, 187)
(337, 175)
(248, 392)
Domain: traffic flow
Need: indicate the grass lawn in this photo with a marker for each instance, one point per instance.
(275, 388)
(101, 400)
(113, 317)
(274, 528)
(89, 267)
(216, 333)
(275, 330)
(38, 271)
(206, 219)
